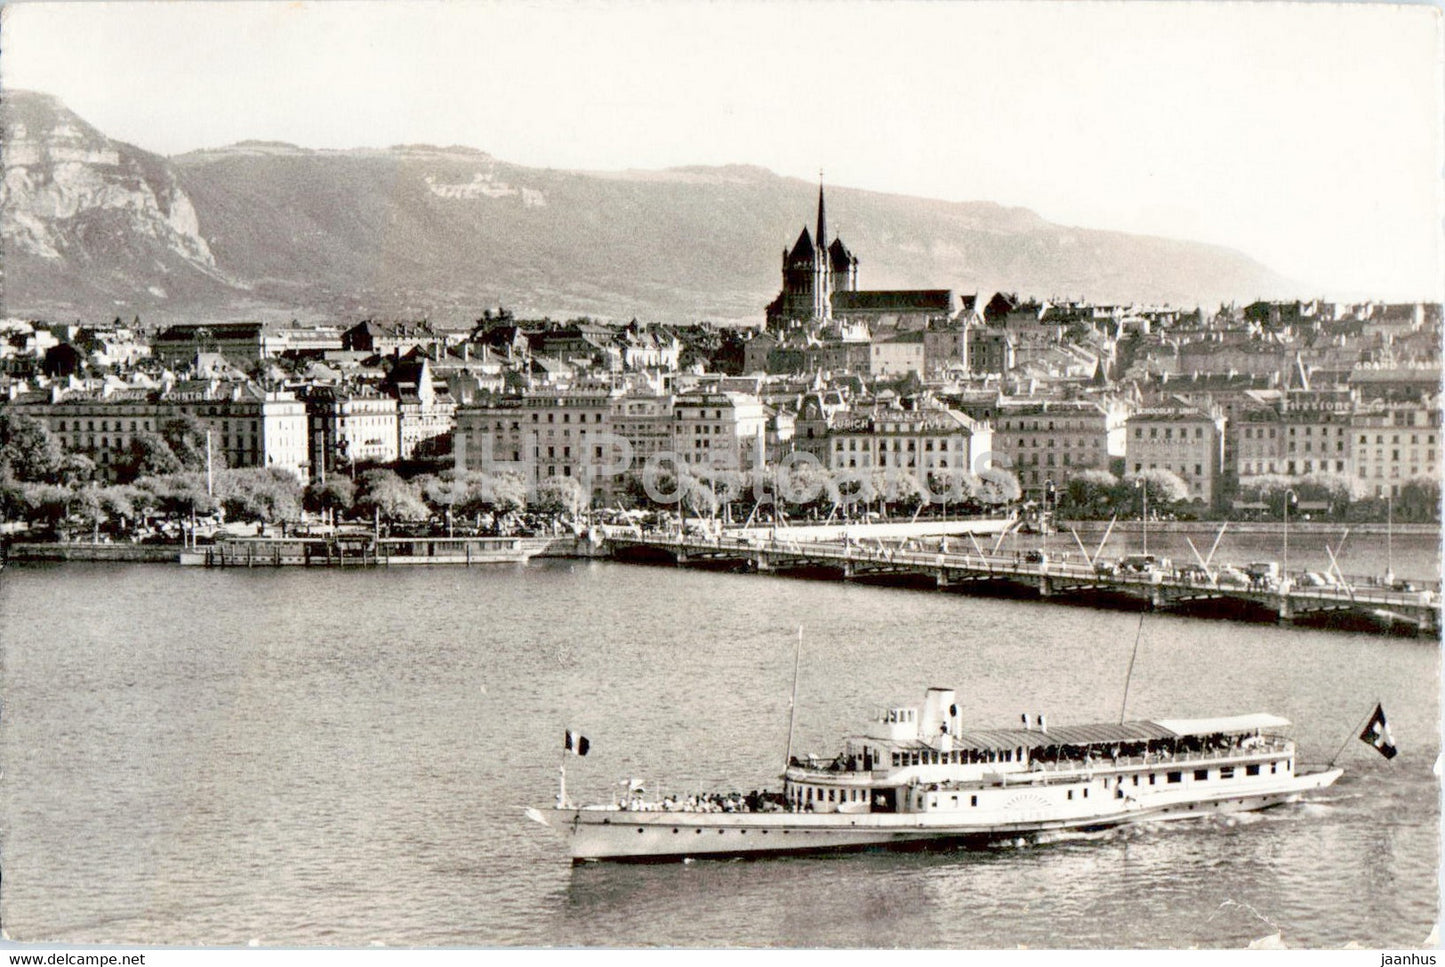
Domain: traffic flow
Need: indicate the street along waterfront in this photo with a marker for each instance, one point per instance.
(326, 757)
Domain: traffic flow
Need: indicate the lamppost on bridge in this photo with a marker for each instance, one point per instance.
(1142, 486)
(1389, 538)
(1289, 497)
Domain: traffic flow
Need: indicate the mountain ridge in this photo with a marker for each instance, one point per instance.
(267, 229)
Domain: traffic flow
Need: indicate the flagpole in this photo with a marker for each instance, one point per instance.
(562, 781)
(562, 770)
(1354, 733)
(793, 708)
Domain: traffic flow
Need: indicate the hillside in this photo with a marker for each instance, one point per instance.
(92, 227)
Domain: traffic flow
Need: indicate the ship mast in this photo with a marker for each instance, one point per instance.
(793, 705)
(1124, 705)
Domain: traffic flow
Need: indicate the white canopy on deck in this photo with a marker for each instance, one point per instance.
(1096, 735)
(1228, 724)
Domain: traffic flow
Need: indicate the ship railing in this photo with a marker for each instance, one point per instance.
(684, 806)
(1078, 767)
(1263, 747)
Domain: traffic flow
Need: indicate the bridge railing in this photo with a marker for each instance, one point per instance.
(1010, 565)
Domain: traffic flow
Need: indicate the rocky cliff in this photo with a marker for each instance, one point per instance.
(88, 224)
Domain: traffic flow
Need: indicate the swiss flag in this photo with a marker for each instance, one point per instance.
(1377, 734)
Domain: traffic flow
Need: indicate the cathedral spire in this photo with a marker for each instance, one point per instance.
(822, 217)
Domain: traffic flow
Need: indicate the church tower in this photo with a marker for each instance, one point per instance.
(822, 284)
(812, 271)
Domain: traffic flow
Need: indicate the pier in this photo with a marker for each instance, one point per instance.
(994, 573)
(362, 550)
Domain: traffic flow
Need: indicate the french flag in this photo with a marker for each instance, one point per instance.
(576, 743)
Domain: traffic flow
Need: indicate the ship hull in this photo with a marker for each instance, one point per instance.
(618, 835)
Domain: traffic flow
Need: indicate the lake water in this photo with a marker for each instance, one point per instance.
(319, 757)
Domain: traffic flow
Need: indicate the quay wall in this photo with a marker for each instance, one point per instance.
(568, 546)
(86, 551)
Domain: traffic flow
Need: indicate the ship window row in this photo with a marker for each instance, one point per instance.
(807, 794)
(933, 757)
(1225, 772)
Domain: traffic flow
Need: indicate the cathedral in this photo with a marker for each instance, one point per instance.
(813, 270)
(820, 291)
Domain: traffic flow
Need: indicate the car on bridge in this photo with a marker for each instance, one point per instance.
(1143, 563)
(1263, 572)
(1232, 577)
(1194, 574)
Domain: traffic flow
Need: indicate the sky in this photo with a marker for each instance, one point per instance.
(1310, 136)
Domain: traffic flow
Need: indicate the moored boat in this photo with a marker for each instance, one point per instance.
(357, 550)
(918, 777)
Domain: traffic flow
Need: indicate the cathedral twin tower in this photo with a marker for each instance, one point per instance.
(812, 271)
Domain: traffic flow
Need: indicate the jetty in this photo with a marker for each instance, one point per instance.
(985, 572)
(361, 550)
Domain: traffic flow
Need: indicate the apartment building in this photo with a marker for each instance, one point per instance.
(348, 427)
(249, 427)
(913, 440)
(726, 430)
(542, 435)
(1047, 442)
(1394, 443)
(1189, 442)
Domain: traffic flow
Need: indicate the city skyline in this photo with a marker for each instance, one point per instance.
(1314, 93)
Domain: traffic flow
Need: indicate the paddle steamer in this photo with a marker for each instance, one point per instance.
(919, 778)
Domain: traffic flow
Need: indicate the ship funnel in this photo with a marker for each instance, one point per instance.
(1025, 717)
(935, 719)
(1043, 723)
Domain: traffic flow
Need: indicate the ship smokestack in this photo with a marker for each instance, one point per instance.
(1025, 717)
(1043, 723)
(936, 718)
